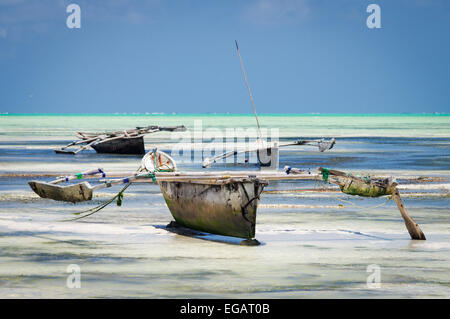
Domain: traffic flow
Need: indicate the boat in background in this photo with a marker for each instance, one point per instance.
(117, 142)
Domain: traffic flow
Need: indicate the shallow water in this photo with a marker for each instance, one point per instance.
(315, 243)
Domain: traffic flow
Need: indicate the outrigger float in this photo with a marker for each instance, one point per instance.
(223, 203)
(117, 142)
(83, 191)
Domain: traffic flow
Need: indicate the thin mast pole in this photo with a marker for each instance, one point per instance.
(249, 92)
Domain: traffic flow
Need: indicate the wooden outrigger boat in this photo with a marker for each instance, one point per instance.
(223, 203)
(117, 142)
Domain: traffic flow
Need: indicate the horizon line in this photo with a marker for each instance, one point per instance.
(228, 114)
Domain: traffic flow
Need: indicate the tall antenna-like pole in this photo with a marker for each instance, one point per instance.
(249, 92)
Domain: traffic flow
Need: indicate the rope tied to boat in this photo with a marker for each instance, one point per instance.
(152, 175)
(388, 198)
(101, 171)
(366, 179)
(155, 161)
(249, 201)
(325, 174)
(119, 198)
(94, 210)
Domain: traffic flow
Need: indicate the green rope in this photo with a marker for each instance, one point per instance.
(152, 176)
(119, 198)
(366, 179)
(93, 210)
(325, 174)
(155, 164)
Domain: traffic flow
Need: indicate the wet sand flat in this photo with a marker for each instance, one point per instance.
(316, 241)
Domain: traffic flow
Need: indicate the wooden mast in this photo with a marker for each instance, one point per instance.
(249, 91)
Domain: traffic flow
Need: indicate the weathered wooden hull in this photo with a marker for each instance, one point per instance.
(227, 208)
(126, 145)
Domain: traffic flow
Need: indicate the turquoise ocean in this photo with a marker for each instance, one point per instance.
(316, 241)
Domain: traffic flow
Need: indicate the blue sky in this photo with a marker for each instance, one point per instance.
(301, 56)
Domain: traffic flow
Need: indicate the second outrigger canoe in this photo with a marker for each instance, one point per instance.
(133, 145)
(117, 142)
